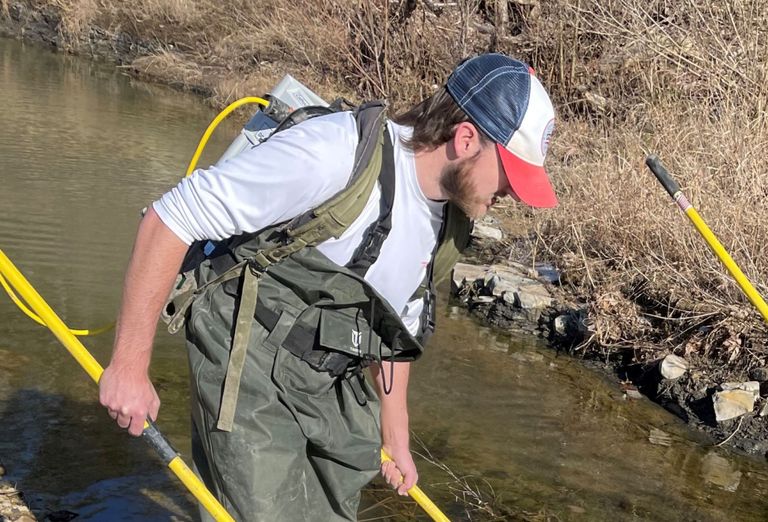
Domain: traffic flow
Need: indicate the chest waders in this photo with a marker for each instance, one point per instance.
(325, 314)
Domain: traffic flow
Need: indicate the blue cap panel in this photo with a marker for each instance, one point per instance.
(493, 90)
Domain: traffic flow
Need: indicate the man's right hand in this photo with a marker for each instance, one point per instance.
(129, 396)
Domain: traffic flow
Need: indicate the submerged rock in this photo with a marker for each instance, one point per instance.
(659, 437)
(720, 472)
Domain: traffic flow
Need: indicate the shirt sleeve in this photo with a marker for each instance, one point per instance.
(411, 315)
(292, 172)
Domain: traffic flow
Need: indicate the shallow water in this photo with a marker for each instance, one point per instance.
(84, 148)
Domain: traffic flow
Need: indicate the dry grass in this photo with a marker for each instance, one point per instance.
(686, 80)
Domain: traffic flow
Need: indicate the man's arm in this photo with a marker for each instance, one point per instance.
(394, 424)
(124, 387)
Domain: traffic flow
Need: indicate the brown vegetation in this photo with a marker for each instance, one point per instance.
(686, 80)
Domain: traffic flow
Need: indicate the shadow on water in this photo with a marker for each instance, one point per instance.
(68, 457)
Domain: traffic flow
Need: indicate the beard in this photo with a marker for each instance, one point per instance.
(456, 182)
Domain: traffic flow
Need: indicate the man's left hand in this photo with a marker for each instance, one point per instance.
(400, 472)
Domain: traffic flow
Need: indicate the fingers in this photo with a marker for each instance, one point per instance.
(401, 482)
(136, 426)
(154, 408)
(408, 481)
(391, 474)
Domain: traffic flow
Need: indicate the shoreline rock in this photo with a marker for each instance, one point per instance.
(12, 505)
(516, 298)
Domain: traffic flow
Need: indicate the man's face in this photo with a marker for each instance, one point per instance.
(475, 183)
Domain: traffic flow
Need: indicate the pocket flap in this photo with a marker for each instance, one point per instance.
(346, 330)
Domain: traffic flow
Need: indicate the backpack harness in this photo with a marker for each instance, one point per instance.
(276, 277)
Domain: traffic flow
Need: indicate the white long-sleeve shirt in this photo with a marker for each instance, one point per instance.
(297, 170)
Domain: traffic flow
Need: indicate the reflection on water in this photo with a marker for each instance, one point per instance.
(548, 435)
(83, 148)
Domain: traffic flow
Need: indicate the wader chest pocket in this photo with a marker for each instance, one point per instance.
(346, 330)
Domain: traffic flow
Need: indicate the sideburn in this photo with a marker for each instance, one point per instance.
(456, 182)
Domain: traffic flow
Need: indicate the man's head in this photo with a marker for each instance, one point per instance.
(496, 118)
(508, 103)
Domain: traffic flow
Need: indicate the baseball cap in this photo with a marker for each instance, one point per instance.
(503, 97)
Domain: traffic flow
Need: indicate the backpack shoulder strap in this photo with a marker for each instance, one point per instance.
(333, 217)
(455, 238)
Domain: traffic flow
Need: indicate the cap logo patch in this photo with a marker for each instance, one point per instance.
(546, 135)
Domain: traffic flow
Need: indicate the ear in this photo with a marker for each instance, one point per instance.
(466, 140)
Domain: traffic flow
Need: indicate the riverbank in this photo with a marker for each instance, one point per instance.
(636, 280)
(729, 407)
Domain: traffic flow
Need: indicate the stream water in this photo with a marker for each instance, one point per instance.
(506, 424)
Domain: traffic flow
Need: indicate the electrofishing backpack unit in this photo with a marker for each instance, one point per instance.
(238, 260)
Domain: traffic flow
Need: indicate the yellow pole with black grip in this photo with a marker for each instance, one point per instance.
(671, 186)
(421, 498)
(151, 434)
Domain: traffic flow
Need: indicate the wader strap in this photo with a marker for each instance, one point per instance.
(177, 321)
(247, 307)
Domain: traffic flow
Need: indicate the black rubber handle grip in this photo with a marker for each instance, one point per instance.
(654, 163)
(158, 441)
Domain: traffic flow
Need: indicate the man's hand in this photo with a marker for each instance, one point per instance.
(129, 396)
(400, 472)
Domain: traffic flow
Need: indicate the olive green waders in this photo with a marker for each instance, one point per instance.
(276, 436)
(302, 443)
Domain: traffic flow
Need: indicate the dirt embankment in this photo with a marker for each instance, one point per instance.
(686, 81)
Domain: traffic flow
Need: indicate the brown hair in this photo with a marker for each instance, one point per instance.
(433, 121)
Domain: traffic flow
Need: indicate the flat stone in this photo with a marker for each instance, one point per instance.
(530, 297)
(464, 272)
(730, 404)
(483, 231)
(673, 367)
(750, 386)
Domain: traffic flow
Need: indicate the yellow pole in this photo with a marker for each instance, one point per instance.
(421, 499)
(752, 294)
(654, 163)
(17, 280)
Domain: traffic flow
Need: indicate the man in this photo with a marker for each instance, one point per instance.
(278, 432)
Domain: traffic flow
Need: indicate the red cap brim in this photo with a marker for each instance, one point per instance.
(530, 182)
